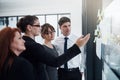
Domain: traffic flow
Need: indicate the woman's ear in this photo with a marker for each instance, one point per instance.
(29, 27)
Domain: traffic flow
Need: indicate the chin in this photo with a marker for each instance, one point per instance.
(22, 49)
(37, 34)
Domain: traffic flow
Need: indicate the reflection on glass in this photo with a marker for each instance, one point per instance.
(111, 58)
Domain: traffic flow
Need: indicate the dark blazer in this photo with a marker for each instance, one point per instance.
(20, 69)
(36, 53)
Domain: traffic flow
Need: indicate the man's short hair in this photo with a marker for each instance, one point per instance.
(63, 20)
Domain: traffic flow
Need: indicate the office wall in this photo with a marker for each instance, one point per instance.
(27, 7)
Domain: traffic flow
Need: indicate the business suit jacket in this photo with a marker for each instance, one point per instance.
(36, 53)
(20, 69)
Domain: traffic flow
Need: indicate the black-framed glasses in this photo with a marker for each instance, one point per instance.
(36, 25)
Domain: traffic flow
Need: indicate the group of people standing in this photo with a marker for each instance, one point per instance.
(22, 58)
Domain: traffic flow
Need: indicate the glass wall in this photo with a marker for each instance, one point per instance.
(43, 18)
(108, 40)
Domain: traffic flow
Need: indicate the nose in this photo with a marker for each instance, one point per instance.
(40, 28)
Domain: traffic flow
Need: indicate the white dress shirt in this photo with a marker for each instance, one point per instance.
(77, 61)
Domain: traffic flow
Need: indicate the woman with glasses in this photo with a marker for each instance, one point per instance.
(37, 54)
(48, 34)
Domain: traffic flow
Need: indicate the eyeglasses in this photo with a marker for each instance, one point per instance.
(50, 32)
(36, 25)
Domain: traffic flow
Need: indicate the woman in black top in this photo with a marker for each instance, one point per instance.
(36, 53)
(48, 34)
(13, 67)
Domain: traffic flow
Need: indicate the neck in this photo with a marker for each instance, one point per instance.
(48, 43)
(30, 35)
(17, 52)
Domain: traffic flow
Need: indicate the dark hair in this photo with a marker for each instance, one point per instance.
(7, 35)
(45, 28)
(63, 20)
(27, 20)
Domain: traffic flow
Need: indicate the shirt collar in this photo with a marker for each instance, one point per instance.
(65, 36)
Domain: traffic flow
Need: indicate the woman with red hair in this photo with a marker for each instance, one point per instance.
(13, 67)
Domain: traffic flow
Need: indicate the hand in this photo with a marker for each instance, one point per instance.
(82, 40)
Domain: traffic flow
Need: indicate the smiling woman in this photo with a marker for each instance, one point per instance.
(13, 67)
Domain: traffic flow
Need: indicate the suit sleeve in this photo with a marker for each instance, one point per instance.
(39, 54)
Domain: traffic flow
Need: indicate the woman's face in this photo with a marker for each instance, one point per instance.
(36, 28)
(50, 35)
(17, 45)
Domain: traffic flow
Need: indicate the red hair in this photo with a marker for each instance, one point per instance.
(7, 35)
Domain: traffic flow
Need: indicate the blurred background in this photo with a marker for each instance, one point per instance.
(100, 18)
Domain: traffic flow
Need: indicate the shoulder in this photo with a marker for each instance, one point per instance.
(22, 69)
(22, 66)
(30, 45)
(20, 61)
(58, 39)
(73, 37)
(29, 42)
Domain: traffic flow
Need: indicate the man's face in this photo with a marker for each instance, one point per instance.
(66, 28)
